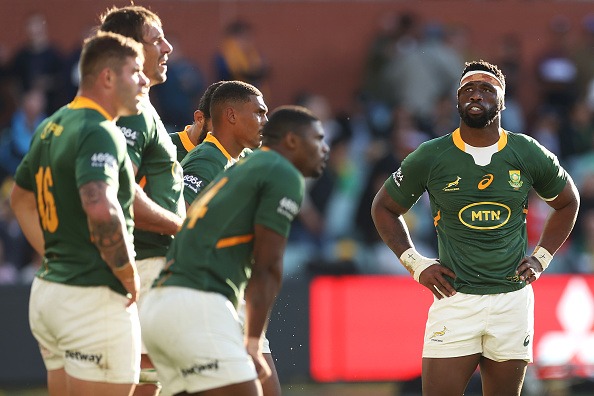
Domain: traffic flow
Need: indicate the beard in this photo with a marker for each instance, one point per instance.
(480, 122)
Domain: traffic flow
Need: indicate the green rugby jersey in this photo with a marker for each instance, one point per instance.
(159, 174)
(479, 211)
(182, 143)
(213, 250)
(76, 145)
(202, 164)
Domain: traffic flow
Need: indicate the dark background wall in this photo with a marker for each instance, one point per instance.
(319, 46)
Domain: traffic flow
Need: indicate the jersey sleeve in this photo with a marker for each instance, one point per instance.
(24, 175)
(280, 199)
(549, 176)
(198, 173)
(138, 133)
(99, 157)
(408, 183)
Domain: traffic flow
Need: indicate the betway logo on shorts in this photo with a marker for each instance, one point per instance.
(193, 183)
(130, 135)
(84, 357)
(484, 215)
(197, 369)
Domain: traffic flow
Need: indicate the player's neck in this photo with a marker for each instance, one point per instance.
(480, 137)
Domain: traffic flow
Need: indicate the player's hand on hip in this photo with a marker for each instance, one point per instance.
(254, 349)
(433, 278)
(529, 269)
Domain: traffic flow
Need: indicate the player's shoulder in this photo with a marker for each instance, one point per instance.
(525, 144)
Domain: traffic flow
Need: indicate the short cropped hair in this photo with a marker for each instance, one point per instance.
(128, 21)
(205, 100)
(109, 50)
(232, 92)
(286, 119)
(482, 65)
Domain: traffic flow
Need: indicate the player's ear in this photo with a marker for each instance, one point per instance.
(107, 77)
(231, 115)
(199, 117)
(292, 140)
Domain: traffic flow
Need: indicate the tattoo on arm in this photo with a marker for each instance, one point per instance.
(108, 236)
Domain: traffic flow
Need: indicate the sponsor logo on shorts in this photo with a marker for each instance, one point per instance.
(84, 357)
(527, 340)
(438, 334)
(453, 186)
(103, 160)
(193, 183)
(130, 135)
(195, 369)
(288, 208)
(397, 176)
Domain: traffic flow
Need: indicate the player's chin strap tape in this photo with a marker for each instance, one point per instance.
(543, 256)
(415, 263)
(148, 376)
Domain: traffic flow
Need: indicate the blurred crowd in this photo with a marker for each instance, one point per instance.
(406, 96)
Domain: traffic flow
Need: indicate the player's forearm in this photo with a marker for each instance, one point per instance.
(149, 216)
(107, 225)
(23, 204)
(263, 287)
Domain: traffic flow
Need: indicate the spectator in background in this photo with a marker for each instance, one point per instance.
(38, 64)
(397, 37)
(177, 97)
(7, 88)
(556, 71)
(239, 58)
(16, 140)
(510, 61)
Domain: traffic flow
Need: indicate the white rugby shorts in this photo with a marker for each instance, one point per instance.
(194, 339)
(88, 331)
(498, 326)
(148, 270)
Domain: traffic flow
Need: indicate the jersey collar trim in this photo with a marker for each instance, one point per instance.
(81, 102)
(185, 139)
(462, 145)
(210, 138)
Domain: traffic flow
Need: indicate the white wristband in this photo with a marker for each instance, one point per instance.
(415, 263)
(543, 256)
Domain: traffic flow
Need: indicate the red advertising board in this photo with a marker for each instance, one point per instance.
(370, 328)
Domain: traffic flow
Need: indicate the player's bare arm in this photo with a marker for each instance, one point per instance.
(387, 216)
(108, 229)
(262, 289)
(559, 223)
(24, 205)
(151, 217)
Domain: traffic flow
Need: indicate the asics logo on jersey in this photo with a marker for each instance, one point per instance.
(130, 135)
(453, 186)
(527, 340)
(485, 182)
(484, 215)
(193, 183)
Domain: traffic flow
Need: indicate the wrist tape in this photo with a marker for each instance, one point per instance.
(415, 263)
(543, 256)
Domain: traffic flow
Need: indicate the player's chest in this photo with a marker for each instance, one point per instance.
(459, 183)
